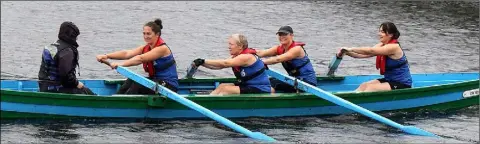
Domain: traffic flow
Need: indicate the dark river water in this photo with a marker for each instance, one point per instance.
(437, 36)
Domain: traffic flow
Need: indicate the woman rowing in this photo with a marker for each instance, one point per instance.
(248, 68)
(156, 57)
(391, 61)
(293, 57)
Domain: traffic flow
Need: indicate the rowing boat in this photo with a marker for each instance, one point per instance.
(434, 91)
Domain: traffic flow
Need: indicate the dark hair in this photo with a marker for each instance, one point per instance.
(390, 28)
(156, 26)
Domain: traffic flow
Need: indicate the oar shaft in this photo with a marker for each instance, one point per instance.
(354, 107)
(180, 99)
(334, 99)
(206, 112)
(339, 101)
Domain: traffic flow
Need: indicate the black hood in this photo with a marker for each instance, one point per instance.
(68, 32)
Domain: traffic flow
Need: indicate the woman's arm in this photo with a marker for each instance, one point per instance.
(356, 55)
(152, 55)
(212, 67)
(388, 49)
(289, 55)
(268, 52)
(125, 54)
(240, 60)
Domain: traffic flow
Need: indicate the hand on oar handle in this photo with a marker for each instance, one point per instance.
(199, 62)
(101, 58)
(112, 65)
(342, 52)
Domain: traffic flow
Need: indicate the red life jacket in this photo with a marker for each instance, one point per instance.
(148, 66)
(381, 59)
(245, 51)
(280, 49)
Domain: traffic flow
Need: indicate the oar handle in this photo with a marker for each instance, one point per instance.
(341, 53)
(105, 62)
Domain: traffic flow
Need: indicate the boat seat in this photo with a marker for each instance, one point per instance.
(114, 81)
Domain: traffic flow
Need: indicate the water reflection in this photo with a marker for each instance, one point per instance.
(57, 131)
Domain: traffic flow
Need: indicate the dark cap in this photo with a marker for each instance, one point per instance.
(285, 29)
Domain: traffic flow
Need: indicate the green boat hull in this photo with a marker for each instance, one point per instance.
(31, 104)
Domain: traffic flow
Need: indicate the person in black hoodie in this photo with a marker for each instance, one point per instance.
(59, 60)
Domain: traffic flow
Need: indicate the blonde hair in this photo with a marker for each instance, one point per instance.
(241, 40)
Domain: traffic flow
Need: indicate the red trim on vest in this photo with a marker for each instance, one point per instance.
(381, 59)
(294, 44)
(148, 66)
(245, 51)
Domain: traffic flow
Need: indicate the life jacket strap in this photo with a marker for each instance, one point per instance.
(243, 80)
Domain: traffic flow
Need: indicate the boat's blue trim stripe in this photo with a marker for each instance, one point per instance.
(169, 113)
(350, 83)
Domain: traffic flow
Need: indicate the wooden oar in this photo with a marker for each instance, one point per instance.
(176, 97)
(339, 101)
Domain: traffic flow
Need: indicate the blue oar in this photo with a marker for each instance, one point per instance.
(192, 68)
(339, 101)
(174, 96)
(333, 65)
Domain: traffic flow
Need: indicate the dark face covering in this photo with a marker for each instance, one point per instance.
(68, 33)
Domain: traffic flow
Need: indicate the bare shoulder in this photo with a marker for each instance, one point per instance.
(297, 49)
(395, 46)
(162, 49)
(395, 50)
(246, 59)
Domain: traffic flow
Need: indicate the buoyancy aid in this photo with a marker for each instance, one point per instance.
(148, 66)
(48, 56)
(291, 67)
(381, 59)
(238, 70)
(49, 68)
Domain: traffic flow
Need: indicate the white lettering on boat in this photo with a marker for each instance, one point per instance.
(470, 93)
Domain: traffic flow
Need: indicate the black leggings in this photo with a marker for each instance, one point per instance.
(44, 88)
(132, 87)
(394, 85)
(280, 86)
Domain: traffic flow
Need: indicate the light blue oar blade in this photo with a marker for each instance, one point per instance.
(174, 96)
(339, 101)
(192, 68)
(333, 65)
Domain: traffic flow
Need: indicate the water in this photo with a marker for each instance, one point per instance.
(436, 36)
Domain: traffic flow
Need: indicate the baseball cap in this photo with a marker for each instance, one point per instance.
(285, 29)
